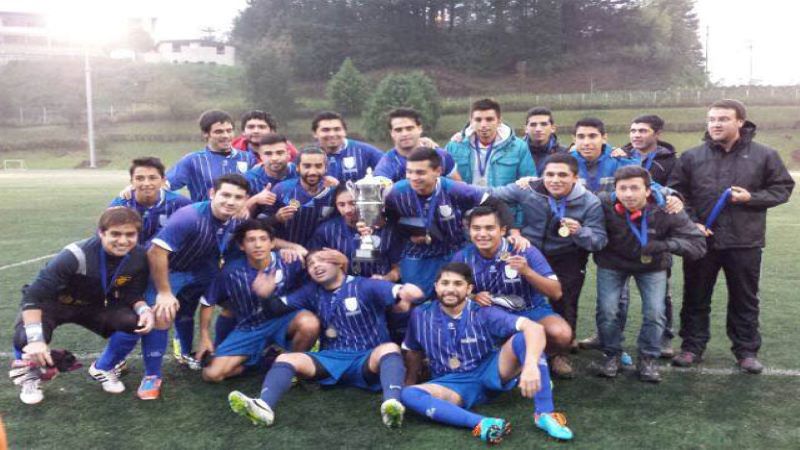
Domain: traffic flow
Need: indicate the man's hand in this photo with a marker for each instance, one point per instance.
(618, 153)
(166, 307)
(363, 229)
(519, 242)
(264, 284)
(335, 257)
(529, 380)
(243, 214)
(289, 255)
(206, 346)
(39, 353)
(572, 225)
(518, 263)
(146, 319)
(126, 192)
(286, 213)
(483, 298)
(524, 182)
(428, 142)
(266, 196)
(674, 205)
(410, 293)
(706, 231)
(739, 195)
(456, 137)
(419, 240)
(654, 247)
(330, 181)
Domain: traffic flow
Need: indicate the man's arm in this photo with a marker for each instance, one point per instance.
(166, 304)
(779, 184)
(591, 234)
(533, 333)
(549, 287)
(206, 343)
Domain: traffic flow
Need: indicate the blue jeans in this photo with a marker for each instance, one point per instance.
(653, 288)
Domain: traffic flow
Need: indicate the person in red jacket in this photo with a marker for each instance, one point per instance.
(255, 125)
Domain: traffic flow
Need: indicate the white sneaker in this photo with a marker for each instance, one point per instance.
(392, 412)
(254, 409)
(28, 377)
(108, 379)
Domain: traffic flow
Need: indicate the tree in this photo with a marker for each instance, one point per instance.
(173, 94)
(413, 90)
(268, 77)
(348, 89)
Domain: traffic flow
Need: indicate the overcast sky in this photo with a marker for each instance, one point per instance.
(733, 26)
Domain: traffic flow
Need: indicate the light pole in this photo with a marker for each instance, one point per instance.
(89, 110)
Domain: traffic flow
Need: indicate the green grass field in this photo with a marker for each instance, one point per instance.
(710, 408)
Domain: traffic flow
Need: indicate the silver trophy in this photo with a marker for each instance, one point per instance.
(368, 193)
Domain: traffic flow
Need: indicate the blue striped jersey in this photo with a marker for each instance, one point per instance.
(393, 165)
(336, 234)
(196, 239)
(351, 161)
(257, 177)
(493, 276)
(153, 217)
(353, 317)
(450, 199)
(198, 170)
(313, 210)
(476, 334)
(231, 288)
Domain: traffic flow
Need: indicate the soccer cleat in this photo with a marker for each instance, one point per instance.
(610, 367)
(648, 370)
(625, 359)
(590, 343)
(561, 367)
(392, 412)
(256, 410)
(27, 375)
(750, 364)
(666, 348)
(686, 359)
(150, 388)
(108, 379)
(554, 424)
(190, 362)
(492, 430)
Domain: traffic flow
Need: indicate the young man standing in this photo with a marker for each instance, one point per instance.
(641, 237)
(596, 166)
(540, 135)
(729, 182)
(461, 340)
(97, 283)
(255, 125)
(348, 159)
(354, 349)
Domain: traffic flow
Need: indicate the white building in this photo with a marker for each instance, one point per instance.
(192, 51)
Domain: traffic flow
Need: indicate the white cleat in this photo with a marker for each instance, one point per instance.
(256, 410)
(108, 379)
(392, 412)
(27, 376)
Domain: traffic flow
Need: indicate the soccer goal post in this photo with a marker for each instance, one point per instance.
(12, 164)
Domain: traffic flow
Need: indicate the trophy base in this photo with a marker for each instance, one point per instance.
(366, 255)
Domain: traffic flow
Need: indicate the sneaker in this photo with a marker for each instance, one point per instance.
(392, 412)
(27, 375)
(590, 343)
(750, 364)
(492, 430)
(190, 362)
(561, 367)
(610, 367)
(686, 359)
(108, 379)
(648, 370)
(149, 388)
(554, 424)
(254, 409)
(666, 348)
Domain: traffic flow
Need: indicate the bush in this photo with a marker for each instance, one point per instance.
(348, 89)
(269, 79)
(412, 90)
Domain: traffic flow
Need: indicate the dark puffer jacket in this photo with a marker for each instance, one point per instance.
(663, 162)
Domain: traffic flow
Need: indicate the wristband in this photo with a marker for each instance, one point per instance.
(34, 332)
(141, 310)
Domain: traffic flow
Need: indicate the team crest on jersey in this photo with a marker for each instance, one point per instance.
(349, 162)
(162, 219)
(242, 166)
(122, 280)
(510, 273)
(351, 304)
(446, 211)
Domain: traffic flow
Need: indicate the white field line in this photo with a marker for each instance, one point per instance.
(27, 261)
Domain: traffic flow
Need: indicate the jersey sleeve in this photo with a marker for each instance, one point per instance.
(448, 163)
(303, 298)
(501, 324)
(378, 292)
(538, 262)
(177, 230)
(119, 201)
(384, 168)
(467, 196)
(54, 275)
(217, 293)
(178, 175)
(373, 156)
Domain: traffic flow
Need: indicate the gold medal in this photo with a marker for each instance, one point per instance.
(294, 203)
(454, 362)
(505, 255)
(563, 231)
(221, 262)
(646, 259)
(331, 333)
(428, 239)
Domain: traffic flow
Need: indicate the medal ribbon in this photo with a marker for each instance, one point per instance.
(461, 326)
(432, 205)
(223, 240)
(482, 165)
(104, 270)
(718, 207)
(592, 182)
(146, 217)
(641, 233)
(559, 207)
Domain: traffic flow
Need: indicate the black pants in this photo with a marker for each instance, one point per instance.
(742, 269)
(570, 268)
(101, 320)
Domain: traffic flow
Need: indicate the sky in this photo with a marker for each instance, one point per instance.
(733, 27)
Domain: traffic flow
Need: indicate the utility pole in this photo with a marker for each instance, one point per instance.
(750, 48)
(89, 108)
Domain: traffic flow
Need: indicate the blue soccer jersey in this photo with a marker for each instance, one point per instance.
(257, 177)
(353, 317)
(313, 210)
(198, 170)
(458, 344)
(336, 234)
(232, 289)
(439, 215)
(494, 276)
(153, 217)
(351, 161)
(196, 239)
(393, 165)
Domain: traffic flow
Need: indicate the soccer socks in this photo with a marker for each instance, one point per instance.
(117, 348)
(184, 328)
(222, 328)
(154, 345)
(392, 373)
(542, 400)
(438, 410)
(277, 383)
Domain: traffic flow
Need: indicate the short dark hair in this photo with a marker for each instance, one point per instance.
(327, 115)
(562, 158)
(628, 172)
(405, 113)
(213, 116)
(485, 104)
(729, 103)
(457, 267)
(260, 115)
(147, 161)
(119, 215)
(593, 122)
(232, 178)
(310, 150)
(492, 207)
(540, 111)
(655, 122)
(425, 154)
(273, 138)
(340, 189)
(251, 225)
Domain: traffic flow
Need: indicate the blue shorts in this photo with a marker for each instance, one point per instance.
(198, 282)
(478, 385)
(251, 342)
(538, 313)
(346, 368)
(422, 271)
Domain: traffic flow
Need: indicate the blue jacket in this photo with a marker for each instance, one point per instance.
(598, 175)
(510, 159)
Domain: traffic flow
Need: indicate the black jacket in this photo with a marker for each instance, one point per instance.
(73, 278)
(663, 162)
(666, 233)
(704, 172)
(540, 154)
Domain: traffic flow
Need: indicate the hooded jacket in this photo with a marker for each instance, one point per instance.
(598, 175)
(664, 159)
(704, 172)
(540, 154)
(509, 161)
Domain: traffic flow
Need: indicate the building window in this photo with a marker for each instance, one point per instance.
(220, 49)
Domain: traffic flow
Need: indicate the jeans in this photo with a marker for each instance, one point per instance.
(653, 288)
